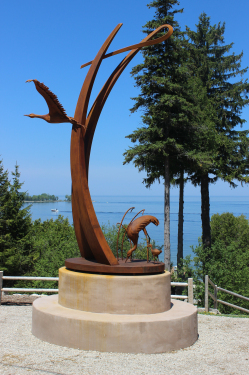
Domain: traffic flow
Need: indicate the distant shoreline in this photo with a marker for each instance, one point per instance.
(60, 200)
(47, 201)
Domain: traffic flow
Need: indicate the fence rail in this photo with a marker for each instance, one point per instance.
(26, 290)
(189, 284)
(215, 296)
(30, 278)
(29, 290)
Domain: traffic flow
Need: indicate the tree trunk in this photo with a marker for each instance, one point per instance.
(205, 214)
(180, 223)
(166, 215)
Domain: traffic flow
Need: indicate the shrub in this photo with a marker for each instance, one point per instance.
(226, 262)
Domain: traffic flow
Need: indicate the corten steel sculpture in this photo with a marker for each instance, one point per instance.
(135, 227)
(155, 252)
(56, 113)
(121, 225)
(91, 241)
(132, 231)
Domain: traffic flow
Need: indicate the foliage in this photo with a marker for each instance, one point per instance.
(220, 100)
(68, 198)
(226, 262)
(15, 225)
(191, 106)
(111, 232)
(53, 242)
(40, 198)
(184, 271)
(4, 197)
(166, 98)
(26, 247)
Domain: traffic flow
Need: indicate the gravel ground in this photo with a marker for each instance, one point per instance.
(222, 348)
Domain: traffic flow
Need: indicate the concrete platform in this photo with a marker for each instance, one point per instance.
(123, 333)
(113, 294)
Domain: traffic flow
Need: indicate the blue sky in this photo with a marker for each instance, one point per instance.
(48, 40)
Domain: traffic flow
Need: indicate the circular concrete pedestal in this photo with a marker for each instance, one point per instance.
(113, 294)
(124, 314)
(122, 333)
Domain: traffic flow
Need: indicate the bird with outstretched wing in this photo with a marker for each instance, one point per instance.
(56, 113)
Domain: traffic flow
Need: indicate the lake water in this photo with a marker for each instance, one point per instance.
(112, 208)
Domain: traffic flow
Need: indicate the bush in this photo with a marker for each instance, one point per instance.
(15, 226)
(226, 262)
(53, 241)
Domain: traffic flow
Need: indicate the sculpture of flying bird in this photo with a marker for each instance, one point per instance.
(56, 113)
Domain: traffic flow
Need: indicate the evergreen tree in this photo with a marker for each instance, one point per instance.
(220, 103)
(4, 188)
(4, 196)
(169, 115)
(15, 225)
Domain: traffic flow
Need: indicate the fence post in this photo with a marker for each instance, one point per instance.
(190, 291)
(215, 296)
(1, 285)
(206, 293)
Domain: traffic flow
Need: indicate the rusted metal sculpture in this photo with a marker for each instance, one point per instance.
(56, 113)
(135, 227)
(155, 252)
(91, 241)
(125, 228)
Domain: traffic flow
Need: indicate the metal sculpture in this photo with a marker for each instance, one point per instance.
(155, 252)
(121, 225)
(56, 113)
(91, 241)
(135, 227)
(132, 231)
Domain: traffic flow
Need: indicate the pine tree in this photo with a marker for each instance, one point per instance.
(4, 187)
(220, 103)
(169, 115)
(4, 196)
(15, 226)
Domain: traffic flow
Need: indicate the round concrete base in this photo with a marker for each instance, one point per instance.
(112, 294)
(146, 333)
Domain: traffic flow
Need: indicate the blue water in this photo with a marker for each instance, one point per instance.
(112, 208)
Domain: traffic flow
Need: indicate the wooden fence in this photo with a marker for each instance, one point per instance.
(215, 296)
(189, 284)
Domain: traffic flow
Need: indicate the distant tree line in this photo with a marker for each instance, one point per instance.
(41, 198)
